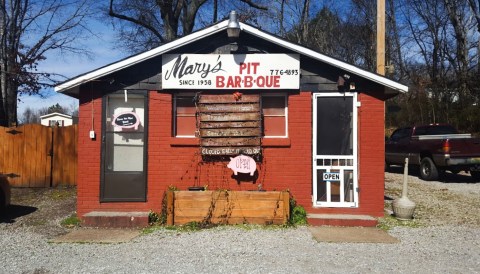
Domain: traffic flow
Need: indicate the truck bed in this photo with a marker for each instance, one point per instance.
(434, 149)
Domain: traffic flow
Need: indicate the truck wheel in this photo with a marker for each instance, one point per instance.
(2, 202)
(475, 175)
(387, 167)
(428, 170)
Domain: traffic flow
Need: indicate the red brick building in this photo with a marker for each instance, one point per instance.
(174, 115)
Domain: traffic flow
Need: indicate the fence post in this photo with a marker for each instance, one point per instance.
(50, 153)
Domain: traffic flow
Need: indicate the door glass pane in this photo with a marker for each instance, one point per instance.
(124, 151)
(125, 143)
(348, 185)
(335, 190)
(321, 186)
(334, 126)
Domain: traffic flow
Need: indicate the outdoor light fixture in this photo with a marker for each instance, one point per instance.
(233, 27)
(343, 83)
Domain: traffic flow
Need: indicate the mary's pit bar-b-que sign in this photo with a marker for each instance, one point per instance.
(230, 71)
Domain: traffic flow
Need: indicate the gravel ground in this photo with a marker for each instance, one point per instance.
(443, 238)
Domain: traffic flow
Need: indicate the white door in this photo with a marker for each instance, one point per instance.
(335, 150)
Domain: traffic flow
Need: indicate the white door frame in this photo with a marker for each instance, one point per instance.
(337, 163)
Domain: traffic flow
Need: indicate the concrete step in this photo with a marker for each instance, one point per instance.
(115, 219)
(341, 220)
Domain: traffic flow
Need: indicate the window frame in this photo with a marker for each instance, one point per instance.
(262, 95)
(174, 130)
(276, 94)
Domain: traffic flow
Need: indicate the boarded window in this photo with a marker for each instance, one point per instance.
(274, 110)
(185, 121)
(230, 124)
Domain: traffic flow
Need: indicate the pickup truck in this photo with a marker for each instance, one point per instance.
(434, 149)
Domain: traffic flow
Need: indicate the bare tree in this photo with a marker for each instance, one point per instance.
(457, 14)
(29, 116)
(475, 6)
(395, 43)
(28, 30)
(325, 34)
(303, 25)
(149, 23)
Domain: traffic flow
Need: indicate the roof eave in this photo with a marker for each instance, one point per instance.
(67, 86)
(72, 86)
(55, 114)
(390, 84)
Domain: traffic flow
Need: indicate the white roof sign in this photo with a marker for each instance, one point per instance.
(230, 71)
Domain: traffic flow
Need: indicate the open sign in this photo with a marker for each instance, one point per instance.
(331, 176)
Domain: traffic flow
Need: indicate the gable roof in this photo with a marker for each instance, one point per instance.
(72, 85)
(53, 114)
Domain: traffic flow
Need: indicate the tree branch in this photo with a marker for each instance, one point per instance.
(253, 5)
(135, 21)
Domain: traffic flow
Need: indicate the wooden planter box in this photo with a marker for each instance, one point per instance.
(227, 207)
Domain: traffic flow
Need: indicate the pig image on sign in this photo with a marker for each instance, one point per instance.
(242, 164)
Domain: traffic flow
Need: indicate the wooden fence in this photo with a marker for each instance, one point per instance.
(38, 156)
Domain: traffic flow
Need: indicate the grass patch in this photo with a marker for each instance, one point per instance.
(198, 226)
(188, 227)
(62, 194)
(37, 222)
(389, 221)
(71, 221)
(151, 229)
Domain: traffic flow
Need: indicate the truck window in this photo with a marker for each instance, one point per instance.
(434, 130)
(400, 134)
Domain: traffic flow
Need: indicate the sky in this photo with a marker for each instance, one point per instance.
(103, 54)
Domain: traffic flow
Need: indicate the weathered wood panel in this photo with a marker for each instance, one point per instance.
(247, 124)
(228, 98)
(231, 107)
(227, 117)
(231, 132)
(228, 207)
(231, 124)
(229, 142)
(38, 156)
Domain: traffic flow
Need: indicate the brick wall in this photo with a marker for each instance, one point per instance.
(286, 163)
(372, 154)
(88, 187)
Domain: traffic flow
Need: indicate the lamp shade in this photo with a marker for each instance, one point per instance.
(233, 27)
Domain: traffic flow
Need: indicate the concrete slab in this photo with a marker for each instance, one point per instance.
(341, 220)
(335, 234)
(107, 219)
(104, 236)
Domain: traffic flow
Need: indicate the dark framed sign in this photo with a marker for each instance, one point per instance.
(126, 120)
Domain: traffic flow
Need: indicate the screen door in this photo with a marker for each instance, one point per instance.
(334, 150)
(124, 147)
